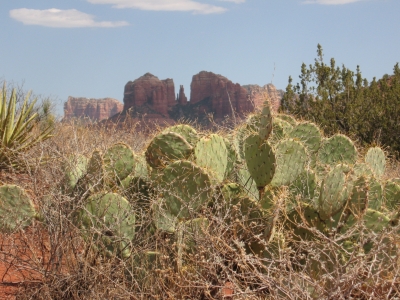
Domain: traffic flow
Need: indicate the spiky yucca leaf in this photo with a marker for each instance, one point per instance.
(17, 129)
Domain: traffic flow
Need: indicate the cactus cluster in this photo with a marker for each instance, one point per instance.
(268, 170)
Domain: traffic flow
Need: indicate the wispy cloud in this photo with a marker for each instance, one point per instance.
(166, 5)
(70, 18)
(330, 2)
(234, 1)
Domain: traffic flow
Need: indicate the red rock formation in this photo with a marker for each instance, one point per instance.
(182, 99)
(149, 91)
(94, 109)
(260, 93)
(223, 93)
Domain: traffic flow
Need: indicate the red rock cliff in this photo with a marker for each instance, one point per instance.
(259, 93)
(223, 93)
(157, 95)
(94, 109)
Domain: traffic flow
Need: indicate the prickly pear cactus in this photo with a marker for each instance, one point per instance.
(376, 160)
(288, 118)
(392, 195)
(260, 159)
(108, 220)
(93, 180)
(265, 128)
(359, 197)
(375, 194)
(16, 208)
(185, 188)
(333, 193)
(309, 134)
(74, 169)
(291, 157)
(280, 130)
(188, 132)
(304, 187)
(337, 149)
(212, 154)
(166, 148)
(246, 182)
(119, 161)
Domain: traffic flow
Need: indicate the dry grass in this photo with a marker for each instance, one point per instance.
(51, 260)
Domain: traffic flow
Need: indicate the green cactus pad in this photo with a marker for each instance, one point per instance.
(362, 169)
(392, 195)
(212, 154)
(186, 131)
(260, 160)
(232, 157)
(189, 232)
(305, 186)
(119, 161)
(108, 220)
(291, 157)
(247, 183)
(241, 133)
(185, 188)
(373, 220)
(167, 147)
(337, 149)
(140, 168)
(280, 129)
(306, 216)
(74, 169)
(288, 118)
(230, 191)
(267, 201)
(359, 196)
(309, 134)
(376, 160)
(16, 208)
(375, 194)
(265, 128)
(162, 219)
(332, 193)
(94, 177)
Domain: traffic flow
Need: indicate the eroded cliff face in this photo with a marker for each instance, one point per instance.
(151, 100)
(258, 94)
(225, 97)
(93, 109)
(150, 95)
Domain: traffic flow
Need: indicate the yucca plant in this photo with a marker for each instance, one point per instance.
(19, 131)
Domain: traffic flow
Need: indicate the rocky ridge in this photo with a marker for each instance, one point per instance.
(92, 109)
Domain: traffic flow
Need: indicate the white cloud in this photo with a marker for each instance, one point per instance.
(166, 5)
(70, 18)
(234, 1)
(330, 2)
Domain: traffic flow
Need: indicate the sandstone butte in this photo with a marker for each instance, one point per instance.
(152, 100)
(92, 109)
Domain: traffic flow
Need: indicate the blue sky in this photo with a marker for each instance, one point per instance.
(91, 48)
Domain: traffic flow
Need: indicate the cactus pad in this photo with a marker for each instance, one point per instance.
(332, 194)
(74, 169)
(16, 208)
(260, 160)
(119, 161)
(110, 222)
(309, 134)
(265, 121)
(186, 131)
(392, 195)
(167, 147)
(212, 154)
(185, 188)
(359, 196)
(376, 160)
(288, 118)
(280, 129)
(337, 149)
(291, 158)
